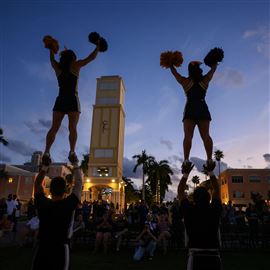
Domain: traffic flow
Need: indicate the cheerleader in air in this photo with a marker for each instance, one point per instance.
(67, 102)
(195, 87)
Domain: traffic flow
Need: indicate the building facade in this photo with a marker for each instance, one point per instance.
(17, 181)
(104, 180)
(237, 185)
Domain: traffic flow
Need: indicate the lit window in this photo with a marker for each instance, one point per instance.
(103, 171)
(10, 180)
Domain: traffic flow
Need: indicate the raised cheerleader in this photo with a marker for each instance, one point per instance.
(67, 72)
(195, 86)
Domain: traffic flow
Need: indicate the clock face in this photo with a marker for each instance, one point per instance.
(105, 125)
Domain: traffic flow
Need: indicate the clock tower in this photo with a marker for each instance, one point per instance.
(105, 167)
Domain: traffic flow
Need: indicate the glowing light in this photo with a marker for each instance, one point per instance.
(49, 196)
(88, 180)
(113, 180)
(10, 180)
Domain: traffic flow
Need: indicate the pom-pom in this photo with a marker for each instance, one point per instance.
(214, 56)
(51, 44)
(103, 45)
(169, 58)
(94, 37)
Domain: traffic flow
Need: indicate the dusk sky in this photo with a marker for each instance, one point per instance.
(137, 32)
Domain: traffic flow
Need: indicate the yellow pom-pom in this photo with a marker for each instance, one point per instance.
(51, 44)
(169, 58)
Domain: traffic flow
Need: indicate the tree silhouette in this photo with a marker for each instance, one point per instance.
(142, 160)
(159, 178)
(218, 154)
(195, 180)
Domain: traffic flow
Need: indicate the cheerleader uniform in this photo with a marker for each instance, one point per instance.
(196, 108)
(67, 100)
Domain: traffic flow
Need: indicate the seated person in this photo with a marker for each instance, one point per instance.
(121, 230)
(104, 233)
(147, 243)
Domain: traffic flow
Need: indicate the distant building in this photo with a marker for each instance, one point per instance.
(55, 169)
(105, 167)
(17, 181)
(237, 185)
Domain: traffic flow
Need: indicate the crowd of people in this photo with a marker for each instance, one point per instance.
(150, 226)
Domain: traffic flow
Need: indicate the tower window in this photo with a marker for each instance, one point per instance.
(103, 153)
(113, 85)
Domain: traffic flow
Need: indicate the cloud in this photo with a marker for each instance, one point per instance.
(128, 165)
(42, 126)
(167, 143)
(4, 158)
(229, 77)
(261, 38)
(42, 71)
(267, 159)
(198, 162)
(20, 147)
(132, 128)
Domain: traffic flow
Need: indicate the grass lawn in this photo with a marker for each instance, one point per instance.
(15, 258)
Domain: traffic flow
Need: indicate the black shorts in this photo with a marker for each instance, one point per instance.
(197, 111)
(67, 104)
(52, 257)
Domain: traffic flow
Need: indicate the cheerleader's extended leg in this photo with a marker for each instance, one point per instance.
(203, 126)
(73, 118)
(56, 123)
(189, 126)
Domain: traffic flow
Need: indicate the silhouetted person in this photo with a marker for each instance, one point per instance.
(56, 219)
(196, 110)
(67, 72)
(202, 221)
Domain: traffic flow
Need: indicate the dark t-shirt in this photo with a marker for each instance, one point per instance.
(55, 218)
(202, 224)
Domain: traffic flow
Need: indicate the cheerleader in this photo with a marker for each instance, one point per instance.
(67, 102)
(196, 110)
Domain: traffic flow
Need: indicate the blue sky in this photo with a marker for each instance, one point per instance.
(137, 32)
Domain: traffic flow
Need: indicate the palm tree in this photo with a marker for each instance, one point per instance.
(142, 160)
(218, 154)
(159, 178)
(130, 193)
(2, 139)
(195, 180)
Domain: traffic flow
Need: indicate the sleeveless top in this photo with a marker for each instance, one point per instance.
(68, 84)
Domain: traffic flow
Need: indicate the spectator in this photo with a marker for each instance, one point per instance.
(163, 228)
(30, 209)
(31, 233)
(104, 233)
(121, 230)
(147, 242)
(3, 208)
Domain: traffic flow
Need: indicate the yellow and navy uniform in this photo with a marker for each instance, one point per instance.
(196, 108)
